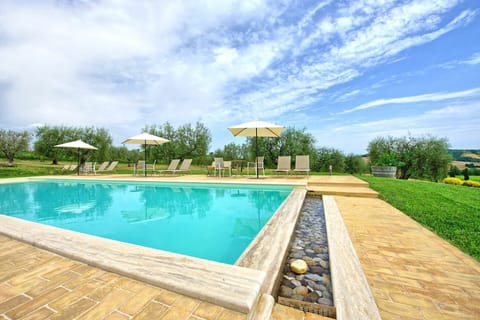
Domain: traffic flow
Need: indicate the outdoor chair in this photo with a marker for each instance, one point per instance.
(302, 164)
(185, 166)
(89, 167)
(140, 165)
(254, 165)
(112, 166)
(172, 167)
(284, 164)
(103, 166)
(151, 167)
(227, 165)
(69, 167)
(220, 167)
(211, 169)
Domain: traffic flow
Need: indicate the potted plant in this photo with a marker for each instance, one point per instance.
(386, 166)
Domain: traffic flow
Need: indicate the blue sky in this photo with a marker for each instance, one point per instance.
(347, 71)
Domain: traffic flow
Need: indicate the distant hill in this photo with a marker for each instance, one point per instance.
(465, 155)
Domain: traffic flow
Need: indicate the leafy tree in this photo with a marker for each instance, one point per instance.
(165, 152)
(355, 164)
(233, 151)
(185, 142)
(379, 147)
(465, 174)
(48, 137)
(453, 171)
(424, 158)
(100, 138)
(292, 142)
(326, 157)
(12, 142)
(436, 158)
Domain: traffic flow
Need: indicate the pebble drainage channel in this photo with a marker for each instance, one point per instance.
(311, 291)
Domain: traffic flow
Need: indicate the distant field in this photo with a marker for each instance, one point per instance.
(452, 212)
(471, 155)
(461, 164)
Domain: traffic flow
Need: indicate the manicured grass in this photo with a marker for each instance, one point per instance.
(452, 212)
(28, 168)
(473, 178)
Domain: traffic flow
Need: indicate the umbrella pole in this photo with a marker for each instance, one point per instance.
(256, 149)
(145, 163)
(78, 161)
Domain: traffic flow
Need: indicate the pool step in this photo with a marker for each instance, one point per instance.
(348, 186)
(340, 181)
(347, 191)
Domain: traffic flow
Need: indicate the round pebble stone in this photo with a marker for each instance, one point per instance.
(299, 266)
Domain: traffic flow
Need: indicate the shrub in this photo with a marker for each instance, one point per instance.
(454, 171)
(471, 183)
(451, 180)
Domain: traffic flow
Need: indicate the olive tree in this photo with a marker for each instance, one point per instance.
(292, 142)
(355, 164)
(424, 157)
(13, 142)
(49, 136)
(326, 157)
(186, 141)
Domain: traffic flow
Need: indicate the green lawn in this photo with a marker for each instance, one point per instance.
(452, 212)
(473, 178)
(28, 168)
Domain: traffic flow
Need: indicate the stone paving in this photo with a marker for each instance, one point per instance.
(37, 284)
(413, 273)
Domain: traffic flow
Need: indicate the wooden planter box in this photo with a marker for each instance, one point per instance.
(384, 171)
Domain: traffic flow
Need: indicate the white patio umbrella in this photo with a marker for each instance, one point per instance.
(256, 129)
(145, 138)
(77, 144)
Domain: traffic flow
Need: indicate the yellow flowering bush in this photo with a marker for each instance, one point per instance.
(470, 183)
(458, 182)
(451, 180)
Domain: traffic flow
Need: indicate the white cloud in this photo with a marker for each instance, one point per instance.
(474, 59)
(458, 122)
(122, 64)
(438, 96)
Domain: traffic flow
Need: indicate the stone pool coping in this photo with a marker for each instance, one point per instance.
(246, 287)
(352, 296)
(237, 287)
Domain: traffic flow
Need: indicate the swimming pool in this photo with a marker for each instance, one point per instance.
(214, 222)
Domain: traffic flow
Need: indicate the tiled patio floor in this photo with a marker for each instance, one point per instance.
(37, 284)
(413, 273)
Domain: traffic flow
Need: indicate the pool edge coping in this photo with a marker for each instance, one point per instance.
(352, 295)
(242, 287)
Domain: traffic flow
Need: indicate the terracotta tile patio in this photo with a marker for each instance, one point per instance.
(413, 273)
(37, 284)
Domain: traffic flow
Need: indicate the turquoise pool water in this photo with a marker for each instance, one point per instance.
(214, 222)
